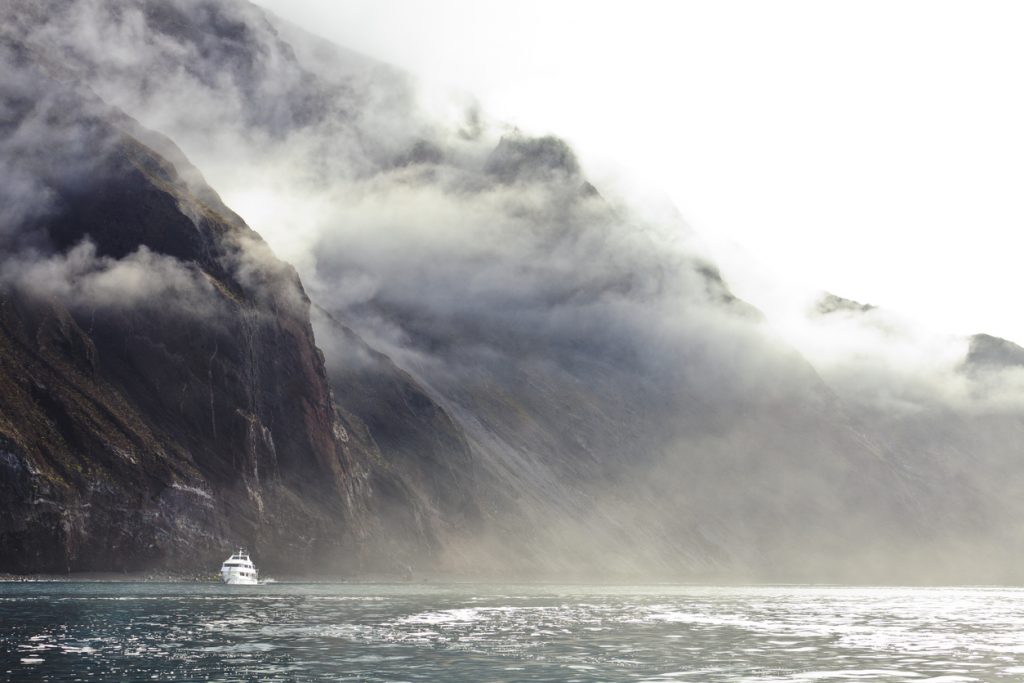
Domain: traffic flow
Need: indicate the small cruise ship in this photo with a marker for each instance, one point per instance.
(239, 569)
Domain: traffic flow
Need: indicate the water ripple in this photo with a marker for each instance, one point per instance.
(314, 632)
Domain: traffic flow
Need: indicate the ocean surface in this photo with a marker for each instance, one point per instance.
(65, 631)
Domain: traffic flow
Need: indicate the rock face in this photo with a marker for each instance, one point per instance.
(163, 397)
(503, 372)
(988, 351)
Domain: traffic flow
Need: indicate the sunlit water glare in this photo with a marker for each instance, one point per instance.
(468, 632)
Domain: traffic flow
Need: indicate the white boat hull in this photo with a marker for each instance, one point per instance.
(236, 580)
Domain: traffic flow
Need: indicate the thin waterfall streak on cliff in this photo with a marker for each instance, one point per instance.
(251, 331)
(209, 377)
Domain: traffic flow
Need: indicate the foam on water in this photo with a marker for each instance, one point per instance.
(313, 632)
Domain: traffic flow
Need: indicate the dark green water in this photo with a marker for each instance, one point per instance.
(462, 632)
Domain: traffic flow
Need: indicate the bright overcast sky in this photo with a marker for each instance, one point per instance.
(872, 149)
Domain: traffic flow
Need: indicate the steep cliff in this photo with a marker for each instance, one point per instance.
(163, 396)
(518, 375)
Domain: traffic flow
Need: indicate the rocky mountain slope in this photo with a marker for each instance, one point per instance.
(163, 397)
(504, 372)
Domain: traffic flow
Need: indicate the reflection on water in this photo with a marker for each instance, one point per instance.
(463, 632)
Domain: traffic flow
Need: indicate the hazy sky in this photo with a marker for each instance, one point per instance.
(873, 149)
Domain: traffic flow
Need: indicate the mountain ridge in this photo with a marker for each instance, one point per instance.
(502, 374)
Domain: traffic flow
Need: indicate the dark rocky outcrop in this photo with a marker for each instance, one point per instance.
(986, 351)
(830, 303)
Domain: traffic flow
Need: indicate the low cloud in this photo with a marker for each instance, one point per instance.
(885, 362)
(402, 221)
(81, 278)
(57, 142)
